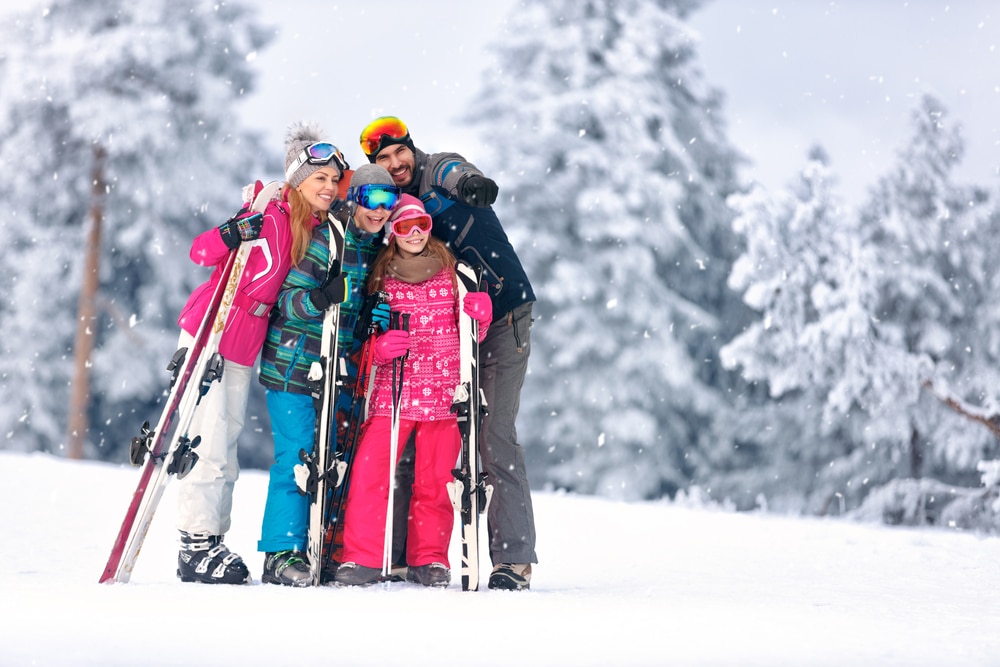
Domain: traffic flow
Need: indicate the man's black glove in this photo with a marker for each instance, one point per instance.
(334, 289)
(244, 226)
(477, 190)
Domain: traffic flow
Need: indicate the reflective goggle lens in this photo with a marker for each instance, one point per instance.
(371, 136)
(372, 196)
(322, 153)
(404, 228)
(325, 153)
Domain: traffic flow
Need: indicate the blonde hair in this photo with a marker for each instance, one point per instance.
(434, 248)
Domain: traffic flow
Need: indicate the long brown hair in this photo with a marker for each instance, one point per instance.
(300, 221)
(434, 248)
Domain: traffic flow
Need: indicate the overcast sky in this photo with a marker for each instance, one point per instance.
(343, 63)
(845, 74)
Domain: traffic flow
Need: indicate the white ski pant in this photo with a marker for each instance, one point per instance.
(205, 495)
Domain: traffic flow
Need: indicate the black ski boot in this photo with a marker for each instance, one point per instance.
(204, 558)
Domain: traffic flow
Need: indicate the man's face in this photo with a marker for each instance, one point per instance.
(399, 161)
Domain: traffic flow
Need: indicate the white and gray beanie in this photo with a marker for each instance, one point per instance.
(300, 137)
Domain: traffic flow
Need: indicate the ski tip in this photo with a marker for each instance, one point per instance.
(266, 195)
(109, 577)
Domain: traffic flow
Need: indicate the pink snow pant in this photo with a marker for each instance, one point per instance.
(431, 517)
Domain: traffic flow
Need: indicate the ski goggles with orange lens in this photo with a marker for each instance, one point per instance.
(374, 195)
(322, 153)
(410, 226)
(386, 126)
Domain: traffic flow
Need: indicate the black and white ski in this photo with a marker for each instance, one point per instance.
(347, 440)
(192, 373)
(320, 471)
(469, 492)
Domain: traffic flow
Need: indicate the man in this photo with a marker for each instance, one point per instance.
(460, 198)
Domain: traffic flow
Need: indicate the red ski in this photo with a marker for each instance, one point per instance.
(193, 373)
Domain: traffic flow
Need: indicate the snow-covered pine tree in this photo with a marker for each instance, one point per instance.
(937, 298)
(860, 314)
(815, 346)
(615, 170)
(152, 86)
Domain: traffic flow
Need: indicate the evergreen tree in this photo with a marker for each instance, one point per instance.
(616, 170)
(861, 314)
(935, 240)
(139, 97)
(816, 345)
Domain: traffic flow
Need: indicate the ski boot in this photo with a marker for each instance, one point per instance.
(287, 568)
(435, 574)
(352, 574)
(511, 577)
(205, 559)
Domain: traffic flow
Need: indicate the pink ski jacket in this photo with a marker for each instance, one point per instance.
(431, 369)
(266, 269)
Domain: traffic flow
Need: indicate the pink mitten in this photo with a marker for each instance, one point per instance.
(478, 306)
(393, 343)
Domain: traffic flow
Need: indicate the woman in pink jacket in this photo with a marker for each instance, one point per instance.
(418, 273)
(313, 169)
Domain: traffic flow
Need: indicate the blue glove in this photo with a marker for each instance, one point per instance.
(380, 316)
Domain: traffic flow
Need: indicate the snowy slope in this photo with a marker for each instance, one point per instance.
(619, 584)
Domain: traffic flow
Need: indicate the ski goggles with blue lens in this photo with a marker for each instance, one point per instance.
(321, 153)
(373, 195)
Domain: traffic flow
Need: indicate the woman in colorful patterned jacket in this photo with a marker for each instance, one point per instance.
(418, 273)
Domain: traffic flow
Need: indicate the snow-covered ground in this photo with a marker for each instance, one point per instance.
(618, 584)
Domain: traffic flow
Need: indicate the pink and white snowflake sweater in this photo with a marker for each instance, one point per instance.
(431, 369)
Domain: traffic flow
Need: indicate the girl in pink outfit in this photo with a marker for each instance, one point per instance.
(418, 273)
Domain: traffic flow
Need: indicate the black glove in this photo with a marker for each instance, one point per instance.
(334, 289)
(477, 190)
(244, 226)
(341, 210)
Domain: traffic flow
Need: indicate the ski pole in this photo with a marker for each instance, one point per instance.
(396, 321)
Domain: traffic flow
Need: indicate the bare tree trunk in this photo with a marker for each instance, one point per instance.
(86, 322)
(916, 455)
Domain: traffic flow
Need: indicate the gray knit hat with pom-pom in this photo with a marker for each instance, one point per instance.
(299, 165)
